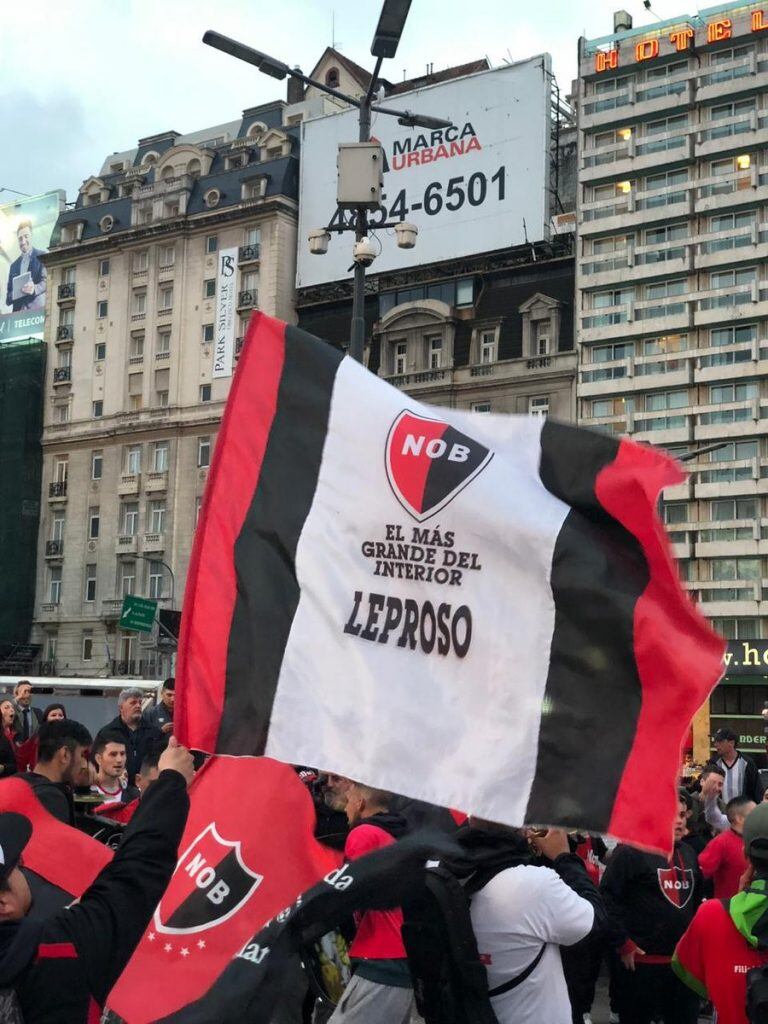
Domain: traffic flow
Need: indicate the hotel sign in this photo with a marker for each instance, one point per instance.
(682, 39)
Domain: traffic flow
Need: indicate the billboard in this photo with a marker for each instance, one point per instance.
(478, 186)
(26, 226)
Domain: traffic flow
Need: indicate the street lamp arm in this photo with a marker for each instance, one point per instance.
(269, 65)
(413, 120)
(148, 558)
(373, 81)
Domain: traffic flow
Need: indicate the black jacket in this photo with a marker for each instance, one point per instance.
(64, 967)
(56, 797)
(649, 899)
(752, 787)
(7, 757)
(137, 742)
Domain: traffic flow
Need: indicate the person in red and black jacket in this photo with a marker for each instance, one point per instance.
(63, 967)
(650, 902)
(381, 988)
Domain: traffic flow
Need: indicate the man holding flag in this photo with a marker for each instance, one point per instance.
(62, 967)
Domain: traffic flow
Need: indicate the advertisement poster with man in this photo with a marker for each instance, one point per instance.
(26, 227)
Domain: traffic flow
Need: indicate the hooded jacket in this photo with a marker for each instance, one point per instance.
(722, 943)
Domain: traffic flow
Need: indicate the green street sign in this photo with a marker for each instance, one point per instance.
(138, 613)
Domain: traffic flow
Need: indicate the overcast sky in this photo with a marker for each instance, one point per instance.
(85, 78)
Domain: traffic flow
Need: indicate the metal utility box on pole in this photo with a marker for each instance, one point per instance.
(360, 167)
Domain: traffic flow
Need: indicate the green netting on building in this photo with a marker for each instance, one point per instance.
(22, 374)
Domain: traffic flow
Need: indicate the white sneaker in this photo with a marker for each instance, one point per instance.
(614, 1018)
(587, 1018)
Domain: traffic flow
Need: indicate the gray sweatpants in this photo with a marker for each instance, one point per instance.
(366, 1002)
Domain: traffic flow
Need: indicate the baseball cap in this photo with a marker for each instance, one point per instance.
(725, 734)
(15, 831)
(756, 833)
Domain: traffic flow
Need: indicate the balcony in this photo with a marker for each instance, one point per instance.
(57, 489)
(66, 292)
(129, 483)
(49, 611)
(62, 374)
(238, 347)
(65, 332)
(110, 610)
(54, 548)
(127, 668)
(153, 542)
(161, 356)
(247, 300)
(249, 254)
(126, 544)
(155, 482)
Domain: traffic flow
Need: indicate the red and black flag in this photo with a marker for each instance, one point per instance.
(477, 611)
(248, 851)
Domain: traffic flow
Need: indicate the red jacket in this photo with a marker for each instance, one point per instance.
(713, 958)
(723, 861)
(378, 934)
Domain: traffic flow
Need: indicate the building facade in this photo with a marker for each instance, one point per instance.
(132, 405)
(672, 290)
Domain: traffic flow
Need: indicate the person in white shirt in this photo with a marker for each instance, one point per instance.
(527, 912)
(109, 756)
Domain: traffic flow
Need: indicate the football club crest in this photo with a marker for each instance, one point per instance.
(676, 884)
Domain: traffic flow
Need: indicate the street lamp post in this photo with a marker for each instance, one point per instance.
(385, 42)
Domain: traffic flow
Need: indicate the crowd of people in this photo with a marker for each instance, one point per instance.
(544, 915)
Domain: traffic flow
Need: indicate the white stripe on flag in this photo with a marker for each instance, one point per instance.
(432, 727)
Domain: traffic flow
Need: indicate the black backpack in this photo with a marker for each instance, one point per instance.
(449, 980)
(757, 995)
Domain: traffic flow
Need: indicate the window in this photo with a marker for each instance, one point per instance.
(605, 407)
(102, 309)
(543, 330)
(728, 509)
(64, 360)
(129, 519)
(155, 579)
(205, 392)
(198, 507)
(136, 347)
(157, 516)
(720, 393)
(68, 275)
(167, 256)
(58, 524)
(99, 351)
(166, 299)
(465, 292)
(659, 136)
(211, 243)
(666, 400)
(675, 512)
(54, 584)
(67, 317)
(103, 268)
(435, 352)
(140, 261)
(203, 452)
(209, 288)
(127, 578)
(61, 413)
(332, 78)
(736, 222)
(139, 306)
(135, 389)
(723, 337)
(738, 629)
(97, 465)
(60, 468)
(739, 452)
(162, 386)
(97, 409)
(399, 357)
(488, 347)
(207, 333)
(93, 522)
(133, 460)
(87, 646)
(538, 406)
(608, 354)
(723, 112)
(253, 237)
(163, 343)
(481, 407)
(735, 569)
(160, 457)
(90, 582)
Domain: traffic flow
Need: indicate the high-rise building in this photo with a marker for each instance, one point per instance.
(672, 290)
(133, 395)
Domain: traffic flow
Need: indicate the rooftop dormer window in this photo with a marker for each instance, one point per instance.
(332, 78)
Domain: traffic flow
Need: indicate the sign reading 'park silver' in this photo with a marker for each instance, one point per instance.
(226, 311)
(480, 185)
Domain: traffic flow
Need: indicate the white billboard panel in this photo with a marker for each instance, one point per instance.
(479, 186)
